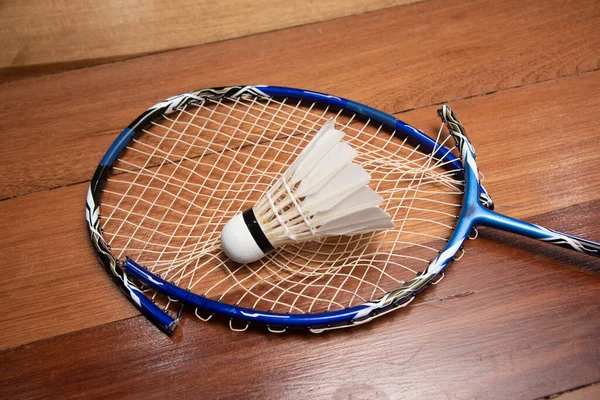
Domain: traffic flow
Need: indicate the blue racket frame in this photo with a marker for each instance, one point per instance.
(476, 211)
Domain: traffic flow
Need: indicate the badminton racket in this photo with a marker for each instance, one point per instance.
(171, 180)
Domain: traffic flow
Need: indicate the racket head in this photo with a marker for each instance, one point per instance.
(139, 281)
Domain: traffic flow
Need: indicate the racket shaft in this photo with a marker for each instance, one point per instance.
(505, 223)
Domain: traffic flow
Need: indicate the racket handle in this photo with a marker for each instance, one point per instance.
(505, 223)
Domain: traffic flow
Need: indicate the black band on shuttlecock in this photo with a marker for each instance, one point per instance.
(256, 231)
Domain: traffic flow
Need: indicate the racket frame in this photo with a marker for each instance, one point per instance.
(316, 322)
(476, 210)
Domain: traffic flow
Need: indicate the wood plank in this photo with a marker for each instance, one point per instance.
(54, 281)
(55, 129)
(530, 337)
(67, 273)
(49, 36)
(517, 141)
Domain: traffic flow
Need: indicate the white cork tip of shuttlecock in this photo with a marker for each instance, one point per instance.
(237, 242)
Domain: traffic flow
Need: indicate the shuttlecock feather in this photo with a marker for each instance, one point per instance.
(323, 193)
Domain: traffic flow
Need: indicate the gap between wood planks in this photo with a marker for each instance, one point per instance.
(55, 36)
(394, 113)
(583, 392)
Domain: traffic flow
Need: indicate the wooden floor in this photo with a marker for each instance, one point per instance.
(511, 320)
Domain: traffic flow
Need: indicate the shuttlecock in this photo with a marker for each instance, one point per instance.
(323, 193)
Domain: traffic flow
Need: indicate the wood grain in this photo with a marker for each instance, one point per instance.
(530, 334)
(426, 53)
(53, 277)
(49, 36)
(511, 319)
(523, 183)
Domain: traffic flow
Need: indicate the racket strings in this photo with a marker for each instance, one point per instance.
(367, 148)
(407, 208)
(178, 183)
